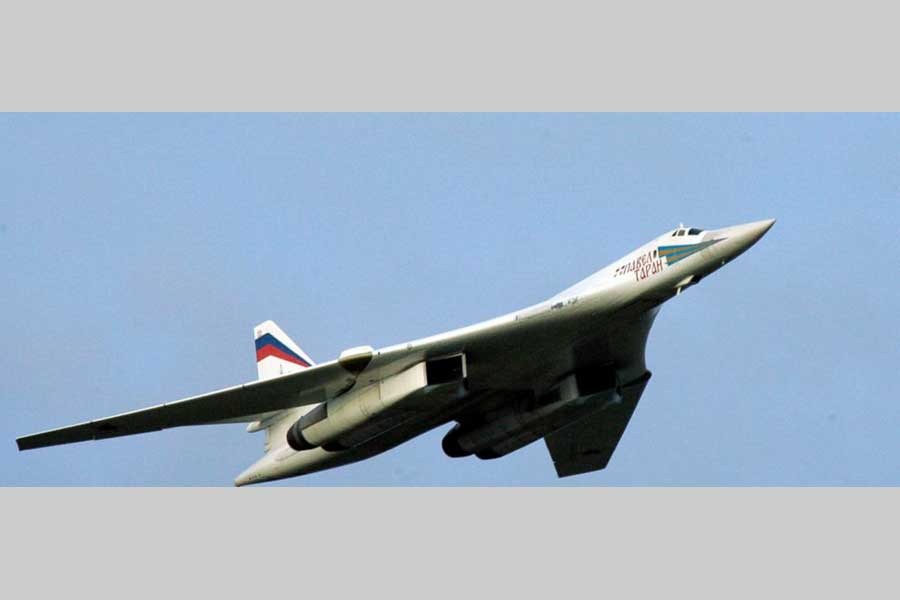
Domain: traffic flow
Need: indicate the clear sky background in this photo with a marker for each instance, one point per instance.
(138, 251)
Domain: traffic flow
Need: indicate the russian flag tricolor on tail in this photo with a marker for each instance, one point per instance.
(276, 353)
(268, 345)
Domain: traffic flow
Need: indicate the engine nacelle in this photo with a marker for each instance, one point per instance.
(360, 414)
(521, 423)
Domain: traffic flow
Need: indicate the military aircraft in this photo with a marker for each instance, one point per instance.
(569, 370)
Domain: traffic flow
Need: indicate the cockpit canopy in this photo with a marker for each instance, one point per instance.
(685, 231)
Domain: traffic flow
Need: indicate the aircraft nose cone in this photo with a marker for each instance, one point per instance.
(738, 238)
(750, 233)
(758, 229)
(744, 236)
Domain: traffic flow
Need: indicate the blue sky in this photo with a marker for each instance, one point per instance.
(139, 250)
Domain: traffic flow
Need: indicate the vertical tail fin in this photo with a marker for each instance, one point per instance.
(276, 353)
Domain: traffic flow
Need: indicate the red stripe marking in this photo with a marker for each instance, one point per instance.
(271, 350)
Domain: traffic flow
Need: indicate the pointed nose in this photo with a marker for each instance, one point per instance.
(751, 232)
(741, 237)
(738, 238)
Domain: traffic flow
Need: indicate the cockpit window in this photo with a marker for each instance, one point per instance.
(681, 232)
(695, 231)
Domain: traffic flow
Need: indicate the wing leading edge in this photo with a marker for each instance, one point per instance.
(587, 444)
(234, 404)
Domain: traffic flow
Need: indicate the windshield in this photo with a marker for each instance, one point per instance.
(681, 231)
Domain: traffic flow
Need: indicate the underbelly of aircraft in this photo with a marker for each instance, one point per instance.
(500, 378)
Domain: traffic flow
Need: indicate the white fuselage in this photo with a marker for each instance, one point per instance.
(543, 341)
